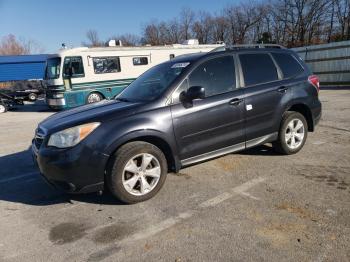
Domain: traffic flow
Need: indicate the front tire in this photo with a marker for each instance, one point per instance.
(138, 172)
(292, 134)
(3, 108)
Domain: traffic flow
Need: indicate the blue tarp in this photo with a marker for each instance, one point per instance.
(22, 67)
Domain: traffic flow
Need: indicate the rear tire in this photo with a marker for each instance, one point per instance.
(93, 97)
(292, 134)
(138, 172)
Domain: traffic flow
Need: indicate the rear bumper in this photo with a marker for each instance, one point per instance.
(316, 113)
(74, 170)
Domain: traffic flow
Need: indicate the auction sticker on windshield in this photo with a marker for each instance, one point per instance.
(180, 65)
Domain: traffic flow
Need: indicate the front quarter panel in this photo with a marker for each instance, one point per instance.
(156, 123)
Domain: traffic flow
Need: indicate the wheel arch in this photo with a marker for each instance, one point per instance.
(161, 143)
(306, 112)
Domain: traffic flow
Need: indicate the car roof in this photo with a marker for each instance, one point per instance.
(197, 56)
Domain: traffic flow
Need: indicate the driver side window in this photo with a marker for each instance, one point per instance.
(217, 76)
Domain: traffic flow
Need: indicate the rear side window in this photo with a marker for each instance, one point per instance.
(140, 61)
(258, 69)
(216, 76)
(104, 65)
(289, 65)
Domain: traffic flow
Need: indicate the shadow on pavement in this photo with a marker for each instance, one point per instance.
(37, 106)
(263, 150)
(20, 182)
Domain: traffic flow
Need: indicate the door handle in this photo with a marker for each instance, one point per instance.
(235, 101)
(282, 89)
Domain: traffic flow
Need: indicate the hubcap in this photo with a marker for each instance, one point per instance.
(2, 109)
(295, 133)
(141, 174)
(93, 98)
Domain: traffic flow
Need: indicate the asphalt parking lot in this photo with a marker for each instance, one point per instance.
(253, 205)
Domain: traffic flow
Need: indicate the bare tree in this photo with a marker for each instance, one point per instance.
(127, 39)
(93, 39)
(151, 33)
(187, 17)
(202, 27)
(10, 45)
(174, 30)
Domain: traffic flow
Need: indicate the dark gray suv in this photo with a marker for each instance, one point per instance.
(184, 111)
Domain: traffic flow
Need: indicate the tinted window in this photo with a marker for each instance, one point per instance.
(73, 66)
(216, 76)
(258, 68)
(104, 65)
(151, 84)
(289, 65)
(140, 60)
(53, 68)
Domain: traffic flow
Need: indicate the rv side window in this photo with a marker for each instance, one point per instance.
(104, 65)
(73, 66)
(140, 61)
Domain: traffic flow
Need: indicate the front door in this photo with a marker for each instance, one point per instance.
(215, 124)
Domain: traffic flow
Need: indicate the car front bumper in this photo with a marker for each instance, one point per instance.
(74, 170)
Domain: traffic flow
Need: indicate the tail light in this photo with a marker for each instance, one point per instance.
(313, 80)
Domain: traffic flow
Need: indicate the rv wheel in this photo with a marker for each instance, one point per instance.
(3, 108)
(93, 98)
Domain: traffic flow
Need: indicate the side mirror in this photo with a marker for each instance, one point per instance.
(195, 92)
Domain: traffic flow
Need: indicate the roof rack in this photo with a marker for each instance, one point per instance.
(246, 46)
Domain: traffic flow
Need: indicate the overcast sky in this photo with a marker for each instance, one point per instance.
(51, 23)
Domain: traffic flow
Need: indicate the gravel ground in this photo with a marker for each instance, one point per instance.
(252, 205)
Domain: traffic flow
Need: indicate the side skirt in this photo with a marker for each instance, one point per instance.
(230, 149)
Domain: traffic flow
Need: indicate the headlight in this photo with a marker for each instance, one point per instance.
(71, 136)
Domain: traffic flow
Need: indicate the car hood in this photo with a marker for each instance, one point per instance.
(97, 112)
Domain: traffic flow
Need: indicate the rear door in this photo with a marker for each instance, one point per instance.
(264, 95)
(215, 122)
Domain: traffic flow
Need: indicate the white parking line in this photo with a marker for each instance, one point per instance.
(5, 180)
(168, 223)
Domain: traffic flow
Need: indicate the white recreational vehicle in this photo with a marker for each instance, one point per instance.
(84, 75)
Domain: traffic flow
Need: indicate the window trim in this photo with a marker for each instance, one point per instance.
(77, 75)
(196, 65)
(242, 79)
(293, 56)
(106, 57)
(133, 62)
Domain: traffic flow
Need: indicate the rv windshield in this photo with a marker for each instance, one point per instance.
(153, 82)
(53, 68)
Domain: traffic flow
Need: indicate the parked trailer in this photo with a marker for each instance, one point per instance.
(7, 102)
(89, 75)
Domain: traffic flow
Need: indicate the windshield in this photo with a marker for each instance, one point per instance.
(153, 82)
(53, 68)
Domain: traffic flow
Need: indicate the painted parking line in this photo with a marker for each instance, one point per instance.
(172, 221)
(5, 180)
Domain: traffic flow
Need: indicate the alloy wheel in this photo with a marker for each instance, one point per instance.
(294, 134)
(141, 174)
